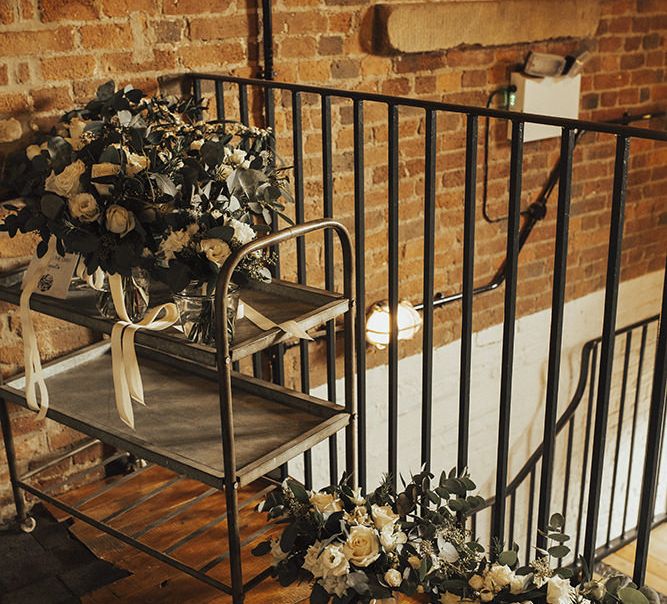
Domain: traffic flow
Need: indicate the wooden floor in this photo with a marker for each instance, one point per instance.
(155, 491)
(656, 575)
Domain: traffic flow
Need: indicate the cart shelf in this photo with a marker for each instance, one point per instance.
(280, 301)
(179, 427)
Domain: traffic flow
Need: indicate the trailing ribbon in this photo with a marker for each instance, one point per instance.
(125, 367)
(291, 328)
(34, 377)
(94, 281)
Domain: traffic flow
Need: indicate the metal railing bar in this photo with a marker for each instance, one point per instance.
(510, 540)
(507, 362)
(467, 290)
(607, 351)
(653, 445)
(137, 502)
(304, 359)
(605, 127)
(330, 328)
(220, 100)
(243, 104)
(619, 431)
(556, 331)
(197, 95)
(430, 152)
(531, 506)
(176, 512)
(393, 235)
(635, 414)
(360, 284)
(568, 472)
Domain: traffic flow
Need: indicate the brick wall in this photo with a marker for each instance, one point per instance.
(54, 53)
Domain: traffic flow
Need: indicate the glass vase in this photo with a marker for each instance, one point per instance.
(196, 309)
(135, 293)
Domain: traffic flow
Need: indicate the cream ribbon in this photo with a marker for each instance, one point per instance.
(291, 328)
(125, 366)
(34, 377)
(95, 281)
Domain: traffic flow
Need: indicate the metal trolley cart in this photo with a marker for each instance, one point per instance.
(202, 420)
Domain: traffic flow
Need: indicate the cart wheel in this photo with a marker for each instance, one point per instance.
(28, 525)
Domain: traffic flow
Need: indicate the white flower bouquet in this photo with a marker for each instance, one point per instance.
(356, 548)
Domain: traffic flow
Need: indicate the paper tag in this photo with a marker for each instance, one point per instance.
(55, 280)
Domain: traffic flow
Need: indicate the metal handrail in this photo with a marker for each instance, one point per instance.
(355, 95)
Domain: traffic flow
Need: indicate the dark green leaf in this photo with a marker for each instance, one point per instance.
(629, 595)
(288, 538)
(297, 488)
(559, 551)
(508, 557)
(557, 520)
(262, 549)
(51, 205)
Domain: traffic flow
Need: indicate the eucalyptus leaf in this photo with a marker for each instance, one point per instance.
(51, 205)
(629, 595)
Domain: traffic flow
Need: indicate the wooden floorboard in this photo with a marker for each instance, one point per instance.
(656, 573)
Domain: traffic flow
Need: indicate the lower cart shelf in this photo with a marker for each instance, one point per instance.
(179, 427)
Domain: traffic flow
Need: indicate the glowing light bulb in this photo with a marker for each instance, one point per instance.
(378, 323)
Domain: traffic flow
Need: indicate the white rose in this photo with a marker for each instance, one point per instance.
(76, 127)
(334, 585)
(356, 498)
(32, 151)
(499, 576)
(393, 578)
(559, 591)
(326, 503)
(66, 183)
(362, 547)
(235, 157)
(486, 595)
(84, 207)
(174, 243)
(333, 561)
(103, 169)
(243, 233)
(119, 220)
(517, 584)
(391, 539)
(215, 250)
(476, 582)
(136, 163)
(312, 562)
(448, 553)
(276, 551)
(383, 515)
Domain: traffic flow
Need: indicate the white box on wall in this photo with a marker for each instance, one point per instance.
(558, 97)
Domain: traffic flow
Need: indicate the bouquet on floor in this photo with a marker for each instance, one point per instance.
(355, 548)
(131, 181)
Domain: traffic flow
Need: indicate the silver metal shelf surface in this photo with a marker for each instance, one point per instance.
(179, 427)
(279, 301)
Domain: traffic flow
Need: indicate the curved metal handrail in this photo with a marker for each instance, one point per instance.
(584, 368)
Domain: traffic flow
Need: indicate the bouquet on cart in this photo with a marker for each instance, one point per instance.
(141, 187)
(379, 547)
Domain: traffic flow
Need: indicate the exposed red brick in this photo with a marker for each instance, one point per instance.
(68, 10)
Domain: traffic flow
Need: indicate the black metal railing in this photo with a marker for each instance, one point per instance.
(240, 99)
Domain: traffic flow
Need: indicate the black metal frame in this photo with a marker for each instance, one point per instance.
(517, 237)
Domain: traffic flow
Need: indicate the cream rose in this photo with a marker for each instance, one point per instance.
(559, 591)
(100, 170)
(326, 503)
(383, 515)
(236, 157)
(119, 220)
(84, 207)
(391, 539)
(67, 183)
(415, 562)
(486, 595)
(393, 578)
(76, 128)
(333, 561)
(311, 561)
(476, 582)
(362, 547)
(136, 163)
(243, 233)
(498, 577)
(517, 584)
(32, 151)
(448, 553)
(174, 243)
(216, 250)
(359, 515)
(357, 498)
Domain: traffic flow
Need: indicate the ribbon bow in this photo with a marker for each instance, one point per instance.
(34, 376)
(125, 367)
(291, 328)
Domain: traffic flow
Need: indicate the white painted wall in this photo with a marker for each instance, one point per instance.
(638, 299)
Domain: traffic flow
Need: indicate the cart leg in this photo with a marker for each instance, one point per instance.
(234, 537)
(19, 502)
